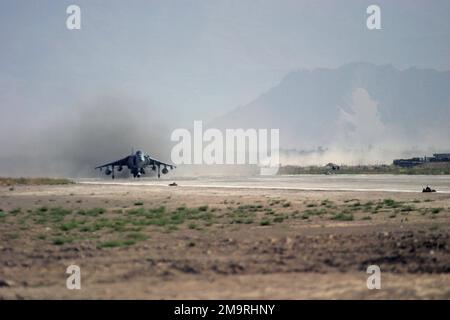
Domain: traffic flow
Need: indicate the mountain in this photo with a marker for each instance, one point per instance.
(356, 106)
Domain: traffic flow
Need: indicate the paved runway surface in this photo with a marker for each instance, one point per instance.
(394, 183)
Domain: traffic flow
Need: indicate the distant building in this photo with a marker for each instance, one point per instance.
(441, 157)
(408, 163)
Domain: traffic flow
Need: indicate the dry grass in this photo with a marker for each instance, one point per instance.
(34, 181)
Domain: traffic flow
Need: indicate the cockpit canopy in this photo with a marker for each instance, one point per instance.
(140, 156)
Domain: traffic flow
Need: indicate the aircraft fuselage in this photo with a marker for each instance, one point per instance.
(137, 163)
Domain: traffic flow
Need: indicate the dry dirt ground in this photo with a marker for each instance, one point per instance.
(157, 242)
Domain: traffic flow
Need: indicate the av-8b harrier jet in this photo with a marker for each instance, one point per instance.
(136, 163)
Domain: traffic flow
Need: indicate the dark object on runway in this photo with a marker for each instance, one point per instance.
(428, 189)
(173, 184)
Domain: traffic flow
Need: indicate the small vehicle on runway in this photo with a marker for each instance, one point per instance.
(428, 189)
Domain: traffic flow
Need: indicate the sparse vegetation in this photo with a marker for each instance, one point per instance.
(315, 212)
(391, 203)
(12, 236)
(120, 226)
(62, 240)
(117, 243)
(243, 214)
(15, 211)
(92, 212)
(436, 210)
(407, 208)
(197, 234)
(274, 202)
(193, 225)
(343, 217)
(67, 226)
(34, 181)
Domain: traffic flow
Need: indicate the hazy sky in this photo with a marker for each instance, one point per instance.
(195, 59)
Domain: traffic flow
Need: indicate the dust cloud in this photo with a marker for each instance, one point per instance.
(362, 138)
(72, 143)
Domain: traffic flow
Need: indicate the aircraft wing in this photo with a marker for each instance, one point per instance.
(118, 163)
(154, 162)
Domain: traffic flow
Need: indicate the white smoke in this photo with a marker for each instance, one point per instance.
(363, 138)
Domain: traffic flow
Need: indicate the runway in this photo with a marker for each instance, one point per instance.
(368, 183)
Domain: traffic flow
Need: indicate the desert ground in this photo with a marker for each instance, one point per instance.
(154, 241)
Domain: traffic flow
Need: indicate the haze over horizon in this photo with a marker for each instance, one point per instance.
(145, 67)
